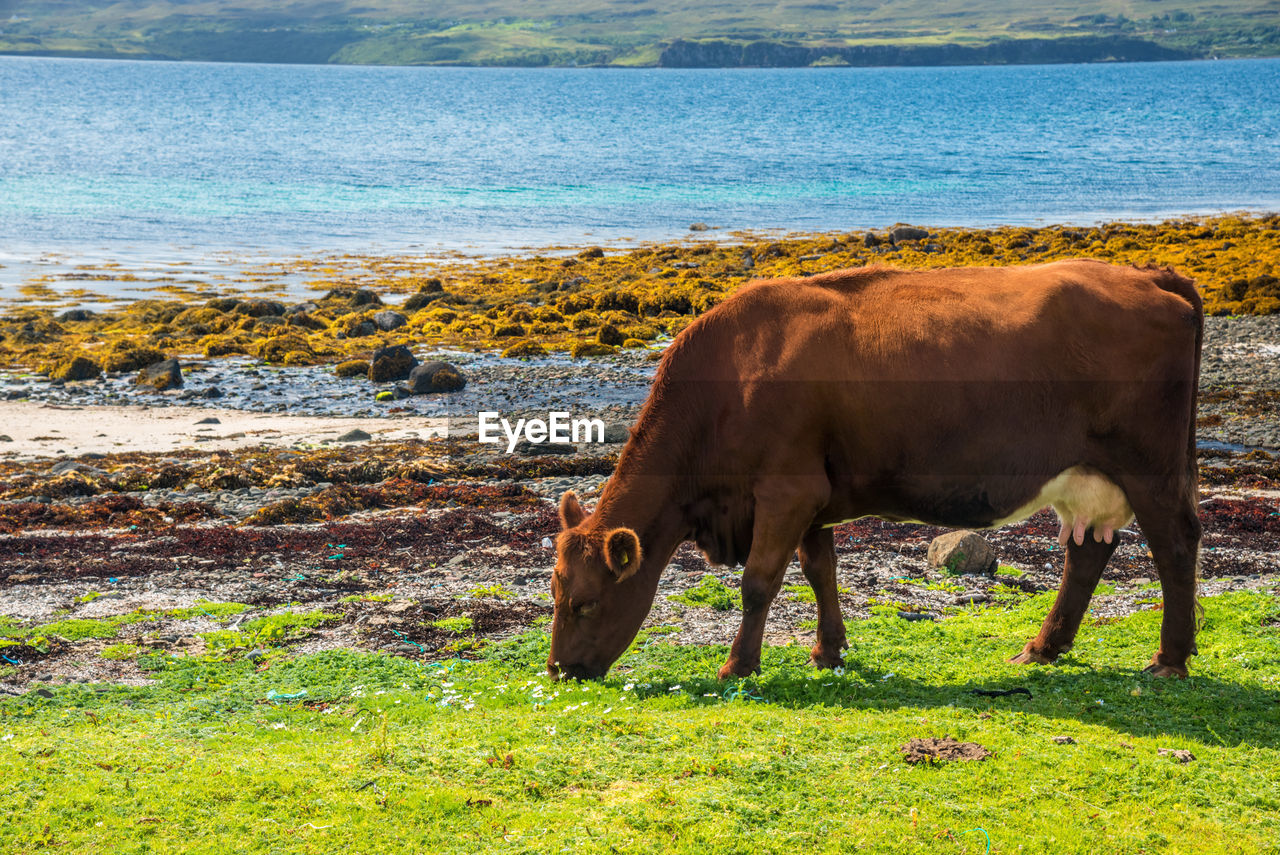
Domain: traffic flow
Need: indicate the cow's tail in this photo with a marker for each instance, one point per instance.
(1175, 283)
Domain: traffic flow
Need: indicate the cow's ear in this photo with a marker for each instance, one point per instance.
(571, 513)
(622, 552)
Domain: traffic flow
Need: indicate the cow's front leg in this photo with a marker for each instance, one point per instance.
(818, 561)
(1084, 568)
(773, 542)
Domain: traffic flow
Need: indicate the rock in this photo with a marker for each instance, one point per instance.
(4, 437)
(389, 320)
(391, 363)
(355, 435)
(44, 693)
(971, 598)
(436, 377)
(362, 329)
(404, 648)
(748, 260)
(537, 449)
(616, 434)
(161, 375)
(1064, 740)
(962, 552)
(609, 334)
(260, 308)
(211, 420)
(1182, 755)
(524, 350)
(255, 654)
(365, 297)
(914, 616)
(904, 233)
(352, 368)
(870, 241)
(699, 227)
(212, 392)
(76, 368)
(77, 315)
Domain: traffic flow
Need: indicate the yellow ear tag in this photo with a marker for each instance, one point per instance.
(626, 559)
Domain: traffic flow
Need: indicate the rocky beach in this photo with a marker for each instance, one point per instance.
(274, 468)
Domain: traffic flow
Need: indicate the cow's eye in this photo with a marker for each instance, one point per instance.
(586, 609)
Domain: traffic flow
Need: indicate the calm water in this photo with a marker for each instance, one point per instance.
(164, 158)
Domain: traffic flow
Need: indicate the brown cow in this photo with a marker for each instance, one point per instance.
(966, 397)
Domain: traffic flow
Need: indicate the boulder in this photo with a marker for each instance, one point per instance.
(902, 233)
(870, 240)
(260, 308)
(391, 363)
(436, 377)
(352, 368)
(76, 368)
(161, 375)
(77, 315)
(962, 552)
(389, 320)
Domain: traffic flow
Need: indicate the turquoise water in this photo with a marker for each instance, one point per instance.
(168, 159)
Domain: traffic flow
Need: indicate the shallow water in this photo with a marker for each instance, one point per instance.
(154, 163)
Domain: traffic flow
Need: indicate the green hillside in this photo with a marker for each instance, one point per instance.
(640, 32)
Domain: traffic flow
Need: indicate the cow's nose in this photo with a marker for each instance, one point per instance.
(574, 672)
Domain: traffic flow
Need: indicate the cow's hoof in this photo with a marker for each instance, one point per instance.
(819, 657)
(732, 669)
(1159, 669)
(1030, 657)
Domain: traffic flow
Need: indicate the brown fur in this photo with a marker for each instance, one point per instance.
(946, 396)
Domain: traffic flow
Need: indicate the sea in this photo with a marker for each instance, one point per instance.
(107, 161)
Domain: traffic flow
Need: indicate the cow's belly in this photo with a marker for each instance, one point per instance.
(1083, 498)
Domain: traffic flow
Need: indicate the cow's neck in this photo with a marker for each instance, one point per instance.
(642, 496)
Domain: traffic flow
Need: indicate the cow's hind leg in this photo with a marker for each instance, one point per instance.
(1084, 567)
(775, 535)
(818, 561)
(1173, 535)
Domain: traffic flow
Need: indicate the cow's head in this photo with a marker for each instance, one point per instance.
(599, 607)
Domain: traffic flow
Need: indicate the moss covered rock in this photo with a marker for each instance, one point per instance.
(75, 368)
(352, 368)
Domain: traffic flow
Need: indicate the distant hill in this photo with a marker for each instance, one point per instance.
(642, 32)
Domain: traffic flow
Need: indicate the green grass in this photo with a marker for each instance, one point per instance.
(709, 593)
(567, 32)
(372, 753)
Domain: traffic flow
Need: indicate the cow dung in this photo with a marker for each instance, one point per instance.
(934, 750)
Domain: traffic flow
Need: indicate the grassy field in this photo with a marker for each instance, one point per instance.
(374, 753)
(598, 32)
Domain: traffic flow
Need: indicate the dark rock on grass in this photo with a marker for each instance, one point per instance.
(962, 552)
(161, 376)
(389, 320)
(76, 368)
(391, 363)
(905, 233)
(355, 435)
(436, 377)
(77, 315)
(935, 750)
(1182, 755)
(914, 616)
